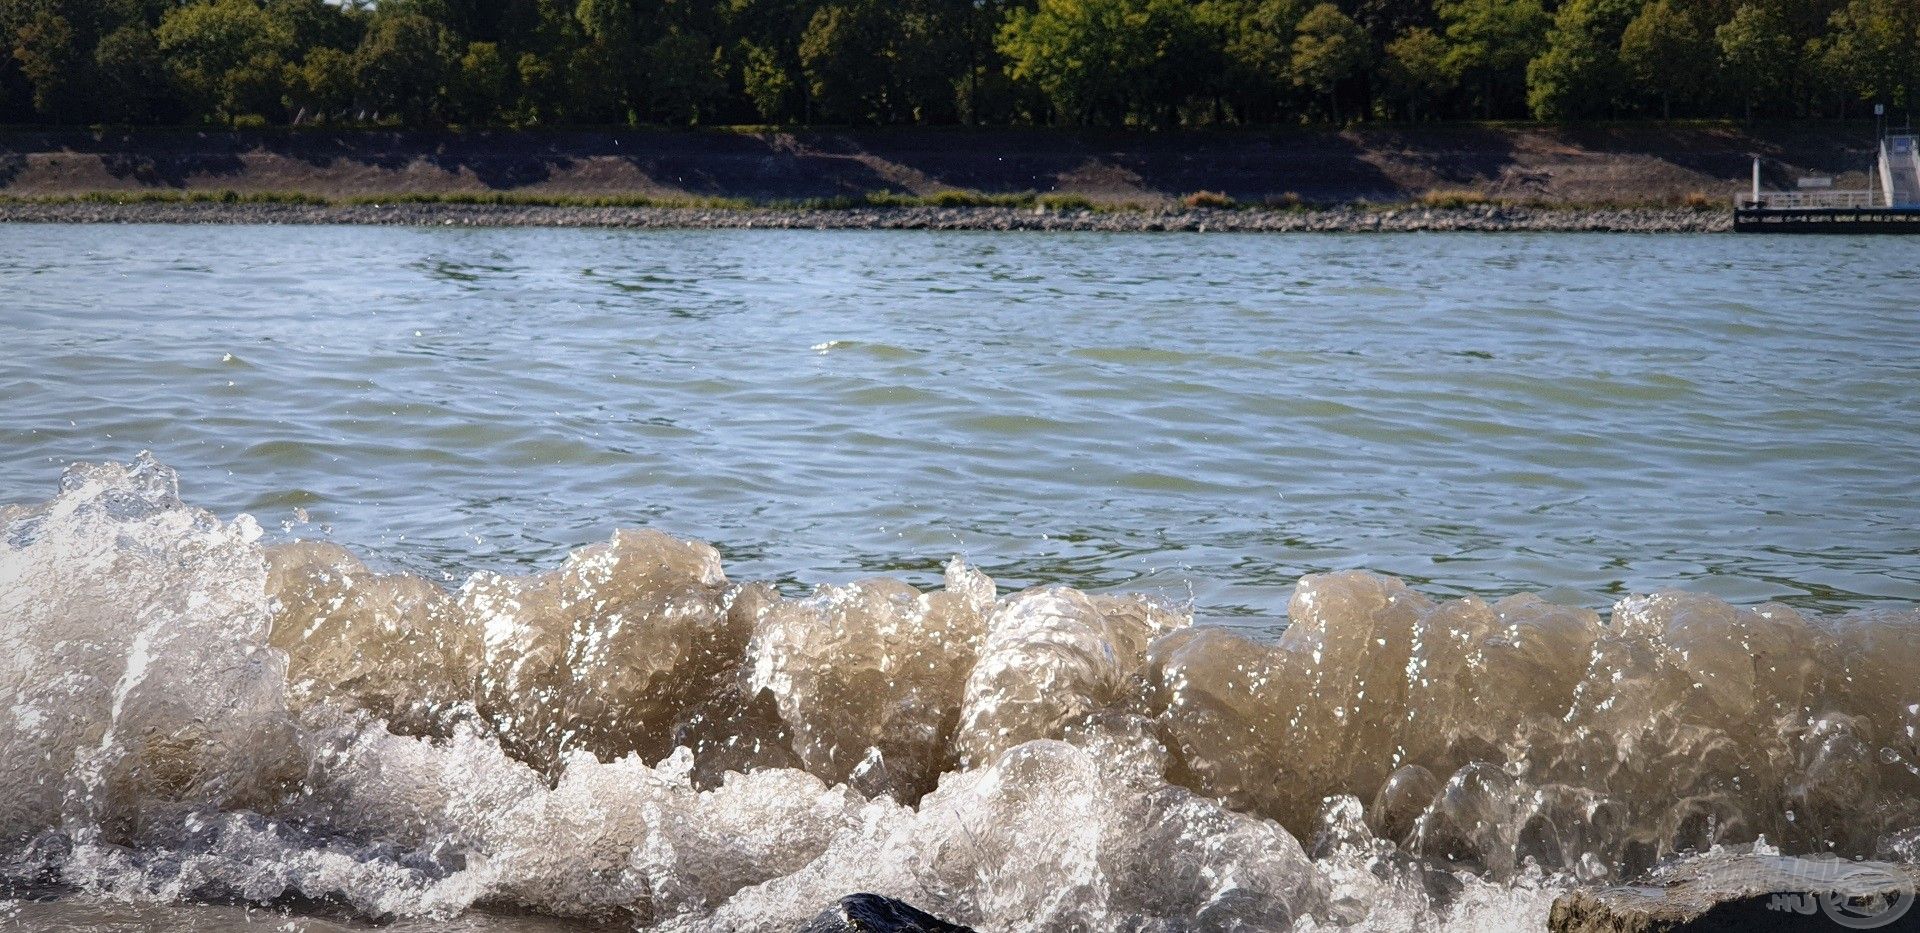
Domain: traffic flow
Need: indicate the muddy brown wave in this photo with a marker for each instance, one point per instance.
(191, 713)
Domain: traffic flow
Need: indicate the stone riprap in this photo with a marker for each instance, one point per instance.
(1331, 220)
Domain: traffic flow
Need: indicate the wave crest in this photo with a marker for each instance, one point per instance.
(194, 714)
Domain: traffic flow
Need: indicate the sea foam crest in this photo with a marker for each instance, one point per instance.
(190, 714)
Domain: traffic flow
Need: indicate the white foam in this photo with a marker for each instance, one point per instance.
(191, 715)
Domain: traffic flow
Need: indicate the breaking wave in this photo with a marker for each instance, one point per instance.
(190, 714)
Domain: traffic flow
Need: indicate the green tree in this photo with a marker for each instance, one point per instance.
(1328, 48)
(683, 78)
(401, 66)
(610, 22)
(1388, 19)
(311, 24)
(1873, 49)
(1259, 54)
(928, 59)
(1490, 43)
(1112, 62)
(913, 59)
(482, 84)
(984, 86)
(1757, 54)
(132, 74)
(1667, 53)
(260, 85)
(1416, 69)
(542, 86)
(767, 82)
(1101, 61)
(325, 85)
(607, 75)
(599, 82)
(1579, 75)
(43, 46)
(843, 54)
(227, 55)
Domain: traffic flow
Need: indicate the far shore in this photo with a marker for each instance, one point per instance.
(1641, 177)
(1342, 219)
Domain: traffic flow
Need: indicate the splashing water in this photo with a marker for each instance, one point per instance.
(191, 715)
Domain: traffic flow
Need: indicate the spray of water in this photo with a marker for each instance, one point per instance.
(188, 714)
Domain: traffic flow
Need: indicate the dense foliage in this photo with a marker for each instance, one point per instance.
(1091, 62)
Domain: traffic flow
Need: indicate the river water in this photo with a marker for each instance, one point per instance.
(1582, 415)
(1178, 428)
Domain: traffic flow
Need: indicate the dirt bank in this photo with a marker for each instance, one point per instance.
(1614, 163)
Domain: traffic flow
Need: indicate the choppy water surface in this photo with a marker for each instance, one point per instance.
(1584, 415)
(481, 663)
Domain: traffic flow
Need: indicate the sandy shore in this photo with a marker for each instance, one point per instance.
(1333, 220)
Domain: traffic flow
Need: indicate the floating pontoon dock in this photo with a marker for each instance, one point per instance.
(1890, 203)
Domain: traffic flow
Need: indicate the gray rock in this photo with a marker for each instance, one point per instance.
(1741, 892)
(1344, 218)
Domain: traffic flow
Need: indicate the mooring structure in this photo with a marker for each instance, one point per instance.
(1889, 204)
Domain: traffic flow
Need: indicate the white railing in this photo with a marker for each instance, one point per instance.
(1886, 173)
(1806, 200)
(1900, 167)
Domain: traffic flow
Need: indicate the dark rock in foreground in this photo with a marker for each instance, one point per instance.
(871, 913)
(1750, 893)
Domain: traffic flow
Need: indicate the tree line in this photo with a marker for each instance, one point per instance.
(1154, 63)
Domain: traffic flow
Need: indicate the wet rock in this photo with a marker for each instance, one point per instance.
(1748, 892)
(871, 913)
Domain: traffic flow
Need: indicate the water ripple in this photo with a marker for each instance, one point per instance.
(1583, 415)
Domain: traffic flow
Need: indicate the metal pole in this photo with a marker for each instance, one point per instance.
(1879, 154)
(1873, 177)
(1756, 181)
